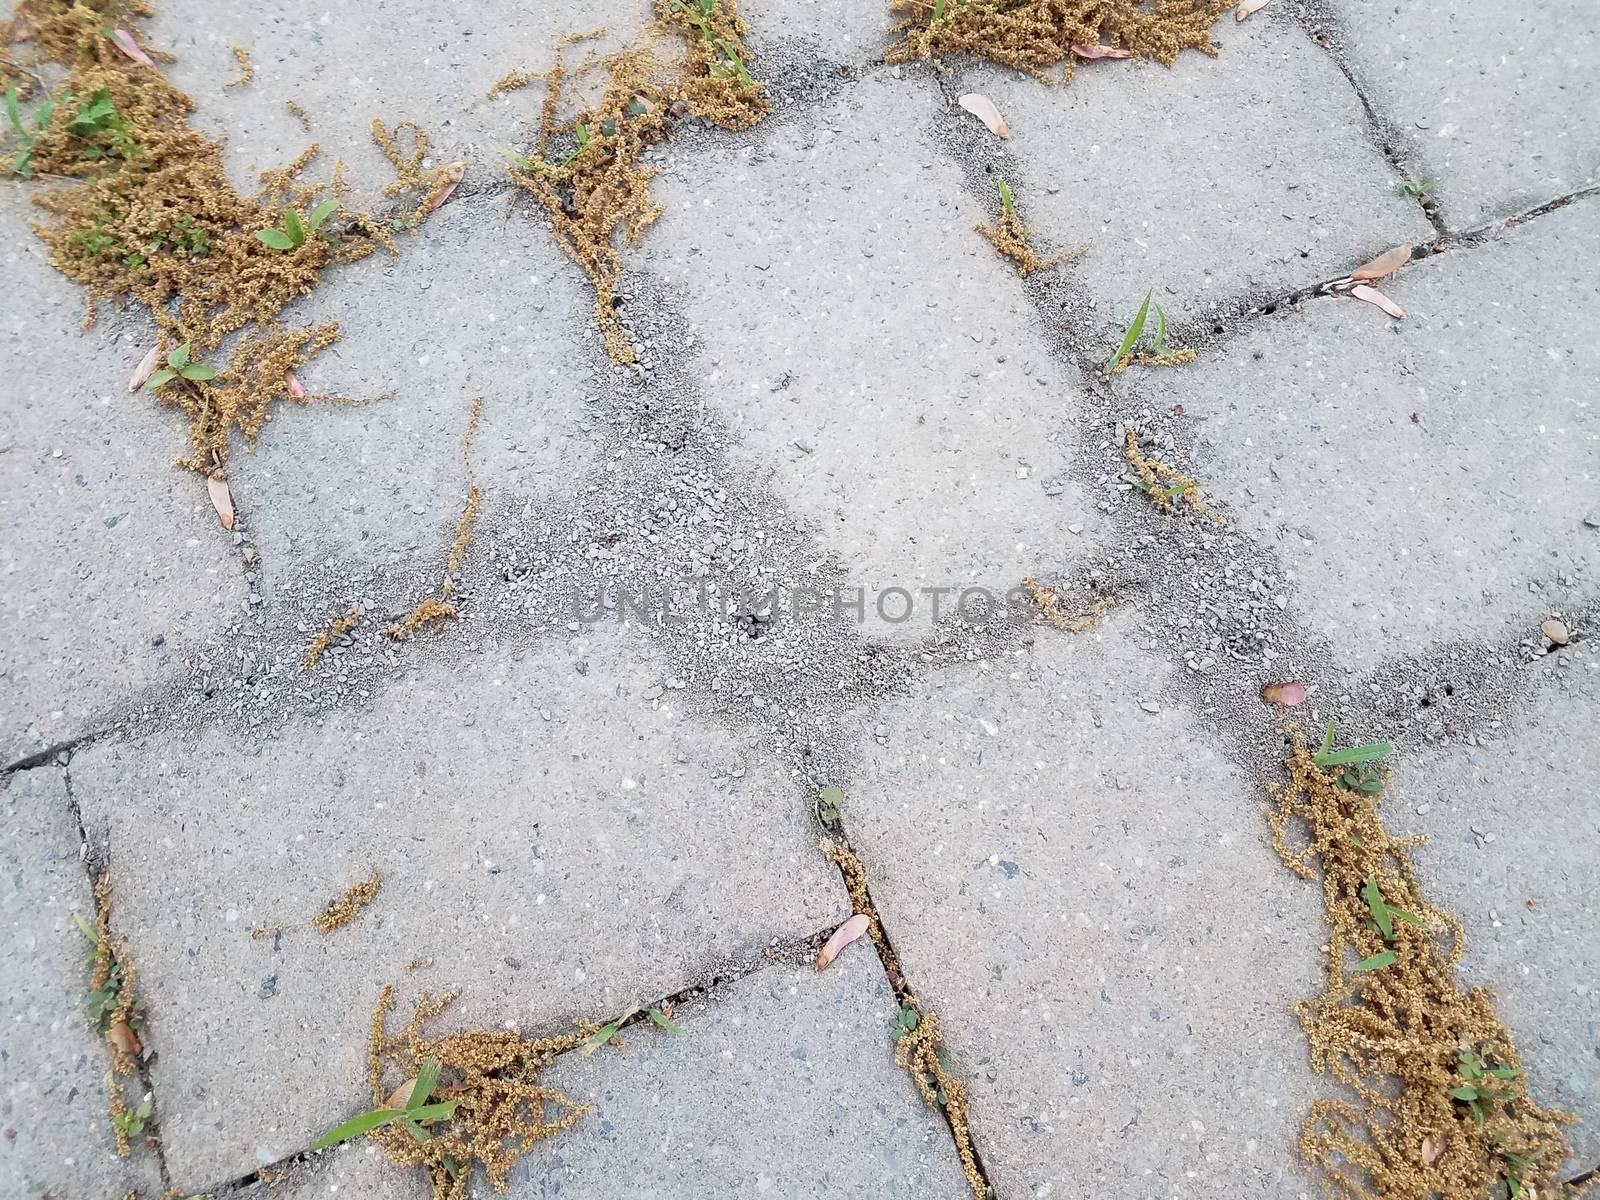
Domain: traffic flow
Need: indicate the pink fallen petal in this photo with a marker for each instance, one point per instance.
(1093, 50)
(983, 108)
(221, 500)
(145, 369)
(1246, 7)
(1285, 695)
(1376, 298)
(842, 937)
(294, 385)
(123, 40)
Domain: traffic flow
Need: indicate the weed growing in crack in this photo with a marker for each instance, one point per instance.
(1420, 190)
(1160, 354)
(1150, 474)
(117, 1013)
(1355, 767)
(407, 1104)
(1010, 238)
(1440, 1104)
(295, 231)
(1038, 36)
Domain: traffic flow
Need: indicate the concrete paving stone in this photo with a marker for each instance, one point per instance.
(902, 397)
(1487, 97)
(1085, 892)
(1525, 890)
(842, 31)
(354, 1171)
(476, 305)
(113, 563)
(785, 1087)
(54, 1106)
(396, 59)
(1217, 180)
(554, 844)
(1422, 479)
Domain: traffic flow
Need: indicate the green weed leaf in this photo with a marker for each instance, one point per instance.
(275, 238)
(15, 114)
(1378, 909)
(1135, 331)
(178, 357)
(198, 372)
(165, 375)
(321, 213)
(380, 1117)
(598, 1038)
(1378, 961)
(661, 1020)
(293, 227)
(427, 1080)
(1007, 201)
(1354, 755)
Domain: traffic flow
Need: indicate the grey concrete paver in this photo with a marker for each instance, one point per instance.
(408, 60)
(841, 31)
(54, 1106)
(554, 843)
(786, 1086)
(1525, 890)
(1425, 479)
(1486, 97)
(1213, 181)
(112, 565)
(1086, 893)
(354, 1171)
(476, 305)
(902, 398)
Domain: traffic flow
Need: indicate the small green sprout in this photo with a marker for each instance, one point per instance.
(1360, 771)
(1384, 913)
(830, 803)
(517, 160)
(132, 1121)
(1134, 332)
(1007, 201)
(1420, 191)
(905, 1021)
(23, 163)
(179, 366)
(1476, 1091)
(100, 123)
(938, 12)
(661, 1019)
(416, 1113)
(295, 231)
(731, 63)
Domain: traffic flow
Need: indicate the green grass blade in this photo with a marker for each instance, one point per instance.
(15, 113)
(1378, 961)
(1354, 755)
(356, 1126)
(427, 1080)
(1006, 200)
(1135, 329)
(598, 1038)
(938, 12)
(1379, 910)
(660, 1019)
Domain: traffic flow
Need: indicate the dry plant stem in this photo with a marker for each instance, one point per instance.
(1392, 1035)
(247, 69)
(348, 906)
(438, 610)
(502, 1108)
(1153, 472)
(149, 214)
(1038, 36)
(1050, 606)
(329, 635)
(1011, 241)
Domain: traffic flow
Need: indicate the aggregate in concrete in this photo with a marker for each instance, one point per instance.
(1511, 826)
(1485, 98)
(783, 1086)
(1085, 892)
(1423, 479)
(554, 843)
(112, 565)
(1214, 182)
(54, 1106)
(902, 400)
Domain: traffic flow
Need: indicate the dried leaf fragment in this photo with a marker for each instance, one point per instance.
(1286, 695)
(1433, 1146)
(122, 1036)
(443, 187)
(983, 108)
(145, 369)
(296, 388)
(1094, 50)
(1556, 631)
(1377, 299)
(221, 499)
(1385, 265)
(123, 40)
(1246, 7)
(401, 1096)
(842, 937)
